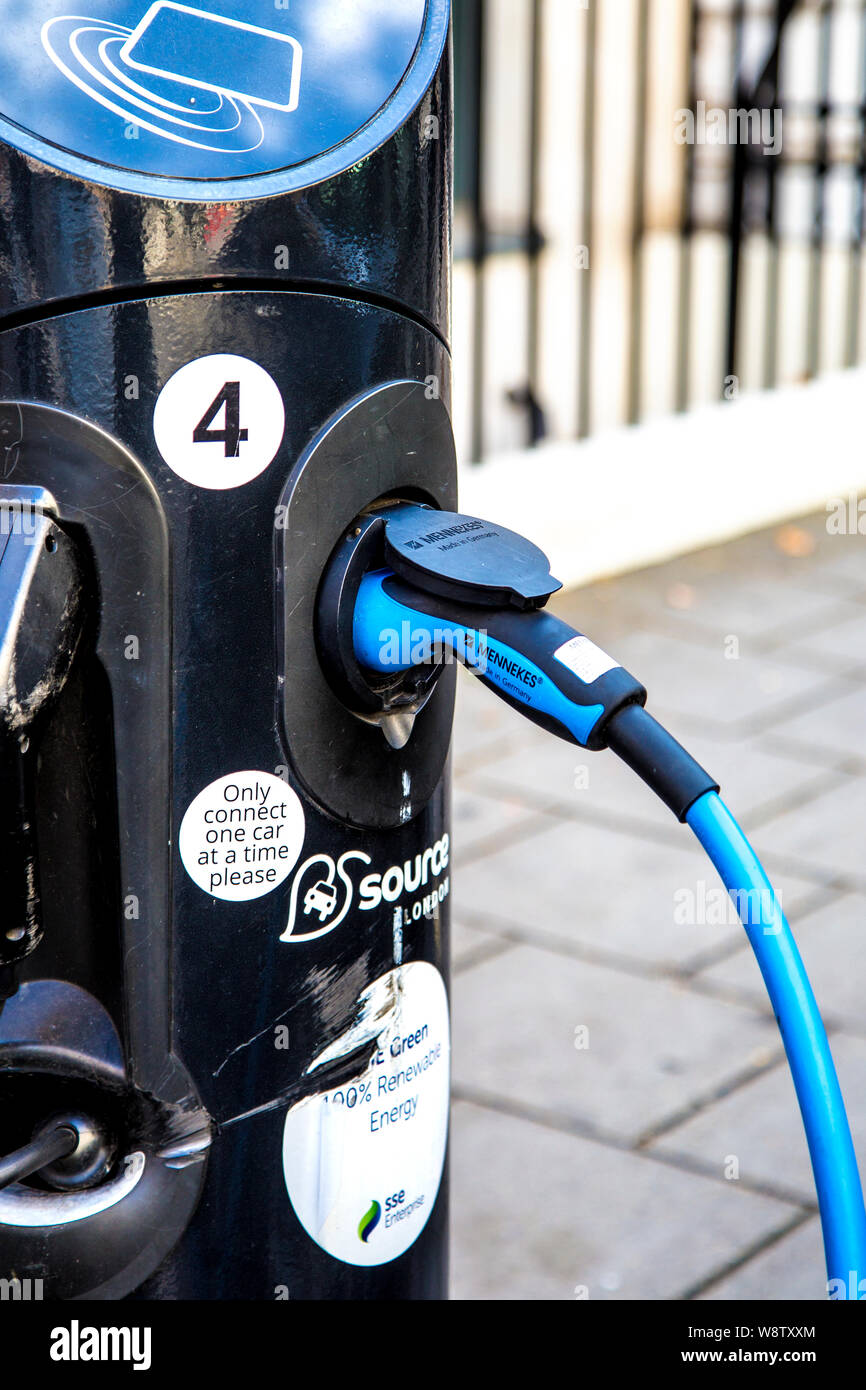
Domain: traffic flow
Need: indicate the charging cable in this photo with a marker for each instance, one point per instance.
(52, 1142)
(438, 606)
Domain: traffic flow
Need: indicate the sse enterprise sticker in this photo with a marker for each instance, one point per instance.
(363, 1162)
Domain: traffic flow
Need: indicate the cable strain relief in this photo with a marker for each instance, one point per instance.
(654, 754)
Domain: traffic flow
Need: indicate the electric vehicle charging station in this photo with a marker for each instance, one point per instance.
(228, 490)
(224, 255)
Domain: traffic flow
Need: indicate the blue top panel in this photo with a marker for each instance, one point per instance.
(218, 90)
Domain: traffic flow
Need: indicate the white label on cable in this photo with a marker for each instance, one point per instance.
(219, 421)
(585, 659)
(363, 1162)
(241, 836)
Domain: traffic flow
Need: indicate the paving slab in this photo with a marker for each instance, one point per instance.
(470, 945)
(656, 905)
(541, 1215)
(755, 782)
(834, 729)
(732, 695)
(758, 611)
(480, 823)
(791, 1269)
(756, 1131)
(604, 1051)
(839, 645)
(825, 833)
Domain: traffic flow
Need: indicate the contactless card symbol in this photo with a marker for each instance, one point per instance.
(218, 54)
(186, 74)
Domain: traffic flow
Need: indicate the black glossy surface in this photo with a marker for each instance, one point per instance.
(336, 281)
(264, 1254)
(102, 844)
(42, 588)
(231, 977)
(393, 442)
(380, 230)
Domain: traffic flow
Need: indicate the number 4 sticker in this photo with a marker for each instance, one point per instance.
(219, 421)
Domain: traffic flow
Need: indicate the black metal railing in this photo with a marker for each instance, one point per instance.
(776, 223)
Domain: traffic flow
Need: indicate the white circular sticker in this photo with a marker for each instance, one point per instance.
(363, 1162)
(242, 835)
(219, 421)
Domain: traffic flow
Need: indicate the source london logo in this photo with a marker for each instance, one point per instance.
(323, 892)
(369, 1221)
(323, 900)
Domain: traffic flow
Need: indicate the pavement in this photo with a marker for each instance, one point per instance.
(624, 1125)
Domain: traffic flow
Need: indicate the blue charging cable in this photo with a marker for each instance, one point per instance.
(831, 1149)
(564, 683)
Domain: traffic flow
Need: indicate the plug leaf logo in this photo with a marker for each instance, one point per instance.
(369, 1221)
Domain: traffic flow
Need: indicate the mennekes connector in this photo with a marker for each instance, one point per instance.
(431, 585)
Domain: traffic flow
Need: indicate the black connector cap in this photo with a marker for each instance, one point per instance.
(466, 560)
(654, 754)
